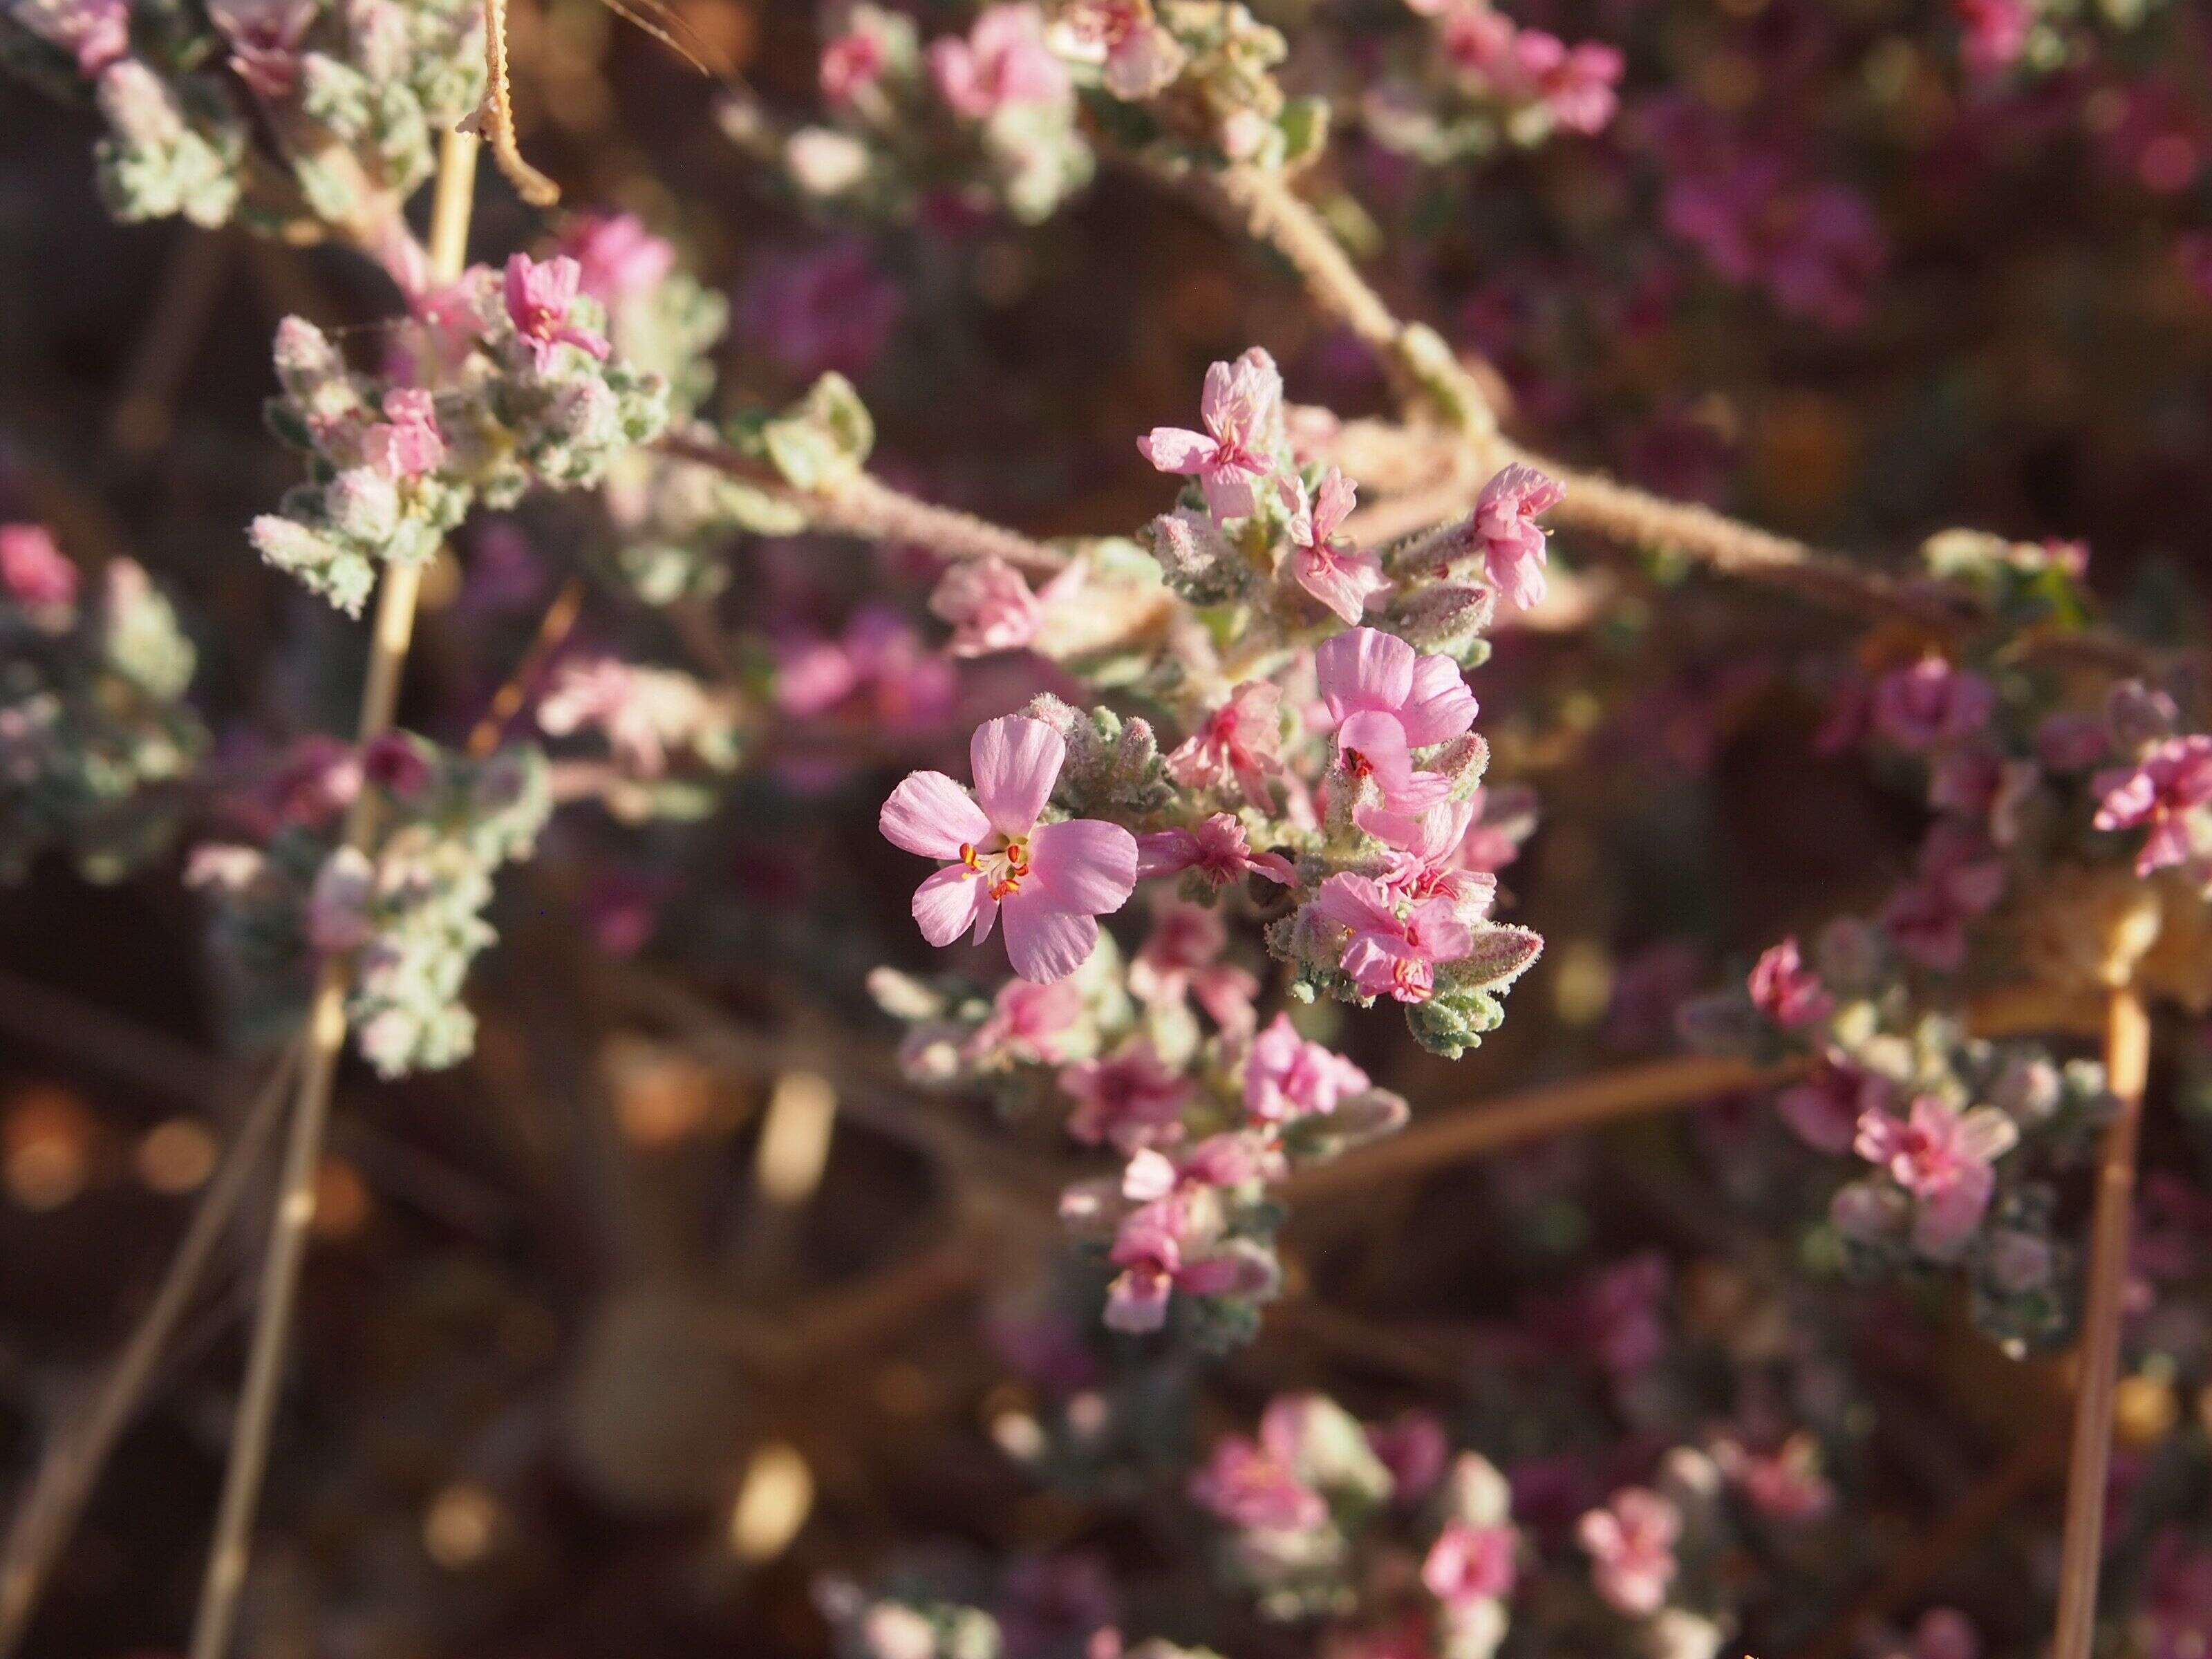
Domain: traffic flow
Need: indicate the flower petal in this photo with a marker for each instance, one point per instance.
(1174, 448)
(1015, 761)
(1045, 943)
(1364, 669)
(1084, 866)
(931, 815)
(1440, 707)
(951, 900)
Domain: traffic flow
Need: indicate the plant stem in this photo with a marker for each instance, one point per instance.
(553, 631)
(80, 1445)
(1629, 1091)
(2127, 1068)
(325, 1036)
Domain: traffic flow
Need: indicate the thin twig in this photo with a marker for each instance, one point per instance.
(553, 629)
(325, 1037)
(2127, 1068)
(1471, 1131)
(496, 118)
(79, 1447)
(191, 282)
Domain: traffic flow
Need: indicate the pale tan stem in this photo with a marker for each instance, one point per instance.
(2127, 1068)
(496, 118)
(324, 1039)
(1475, 1129)
(553, 629)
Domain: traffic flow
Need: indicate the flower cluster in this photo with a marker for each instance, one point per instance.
(95, 737)
(502, 382)
(408, 914)
(1476, 81)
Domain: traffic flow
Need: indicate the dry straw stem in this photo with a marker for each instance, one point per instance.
(324, 1038)
(47, 1513)
(2127, 1067)
(553, 629)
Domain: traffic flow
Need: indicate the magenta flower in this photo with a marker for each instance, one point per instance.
(1505, 529)
(1992, 33)
(1286, 1078)
(1151, 1249)
(264, 37)
(539, 295)
(1324, 564)
(1575, 83)
(1943, 1158)
(1788, 991)
(1824, 1109)
(1216, 849)
(1469, 1562)
(1251, 1486)
(989, 606)
(33, 569)
(1028, 1023)
(1784, 1484)
(825, 306)
(1412, 1446)
(1385, 702)
(617, 258)
(1004, 63)
(1931, 703)
(1132, 1099)
(851, 65)
(1052, 880)
(1242, 401)
(1385, 952)
(406, 443)
(1429, 853)
(1181, 957)
(1630, 1542)
(1946, 1633)
(1240, 743)
(2173, 779)
(1958, 880)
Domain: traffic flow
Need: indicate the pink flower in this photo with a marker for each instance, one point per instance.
(1786, 991)
(1387, 953)
(850, 64)
(1003, 62)
(33, 568)
(1052, 880)
(264, 37)
(1575, 83)
(1323, 562)
(1140, 58)
(1385, 702)
(1826, 1108)
(1252, 1486)
(1286, 1077)
(1784, 1484)
(1469, 1562)
(1931, 703)
(1028, 1023)
(1241, 742)
(1992, 33)
(1181, 957)
(824, 306)
(989, 606)
(97, 32)
(1242, 401)
(618, 260)
(406, 443)
(1216, 850)
(1429, 854)
(1631, 1542)
(1619, 1312)
(1132, 1099)
(1149, 1248)
(1942, 1157)
(1958, 880)
(1504, 528)
(2173, 779)
(1413, 1448)
(538, 299)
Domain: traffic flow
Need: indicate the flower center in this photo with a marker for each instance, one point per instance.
(1003, 868)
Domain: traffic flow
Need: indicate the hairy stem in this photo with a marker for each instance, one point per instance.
(324, 1039)
(2127, 1067)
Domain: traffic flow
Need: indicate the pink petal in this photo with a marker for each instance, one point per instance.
(1083, 865)
(1342, 585)
(1441, 707)
(1364, 669)
(1045, 943)
(1333, 501)
(1016, 762)
(1175, 449)
(948, 901)
(931, 815)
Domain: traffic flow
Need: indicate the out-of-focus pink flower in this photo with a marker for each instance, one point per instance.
(1053, 881)
(1931, 703)
(1132, 1099)
(1504, 528)
(879, 673)
(1412, 1446)
(1824, 1109)
(1576, 84)
(539, 294)
(33, 568)
(1620, 1314)
(2179, 1607)
(1240, 743)
(1788, 991)
(406, 443)
(1249, 1485)
(990, 606)
(1992, 33)
(1140, 57)
(851, 64)
(97, 32)
(1181, 956)
(1958, 880)
(617, 258)
(1630, 1542)
(1385, 702)
(264, 37)
(1783, 1484)
(1028, 1023)
(1323, 563)
(1942, 1157)
(1469, 1562)
(1286, 1078)
(2170, 781)
(642, 713)
(1386, 953)
(1216, 849)
(1003, 62)
(822, 308)
(396, 765)
(1241, 402)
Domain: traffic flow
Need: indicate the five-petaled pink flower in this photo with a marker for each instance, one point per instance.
(1242, 401)
(1931, 703)
(1942, 1157)
(1003, 62)
(33, 570)
(1505, 529)
(539, 295)
(1241, 742)
(1788, 991)
(1133, 1099)
(406, 443)
(1286, 1078)
(1216, 849)
(2173, 779)
(1429, 853)
(1053, 880)
(1323, 563)
(1385, 701)
(1254, 1485)
(1631, 1542)
(990, 607)
(1390, 949)
(1469, 1562)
